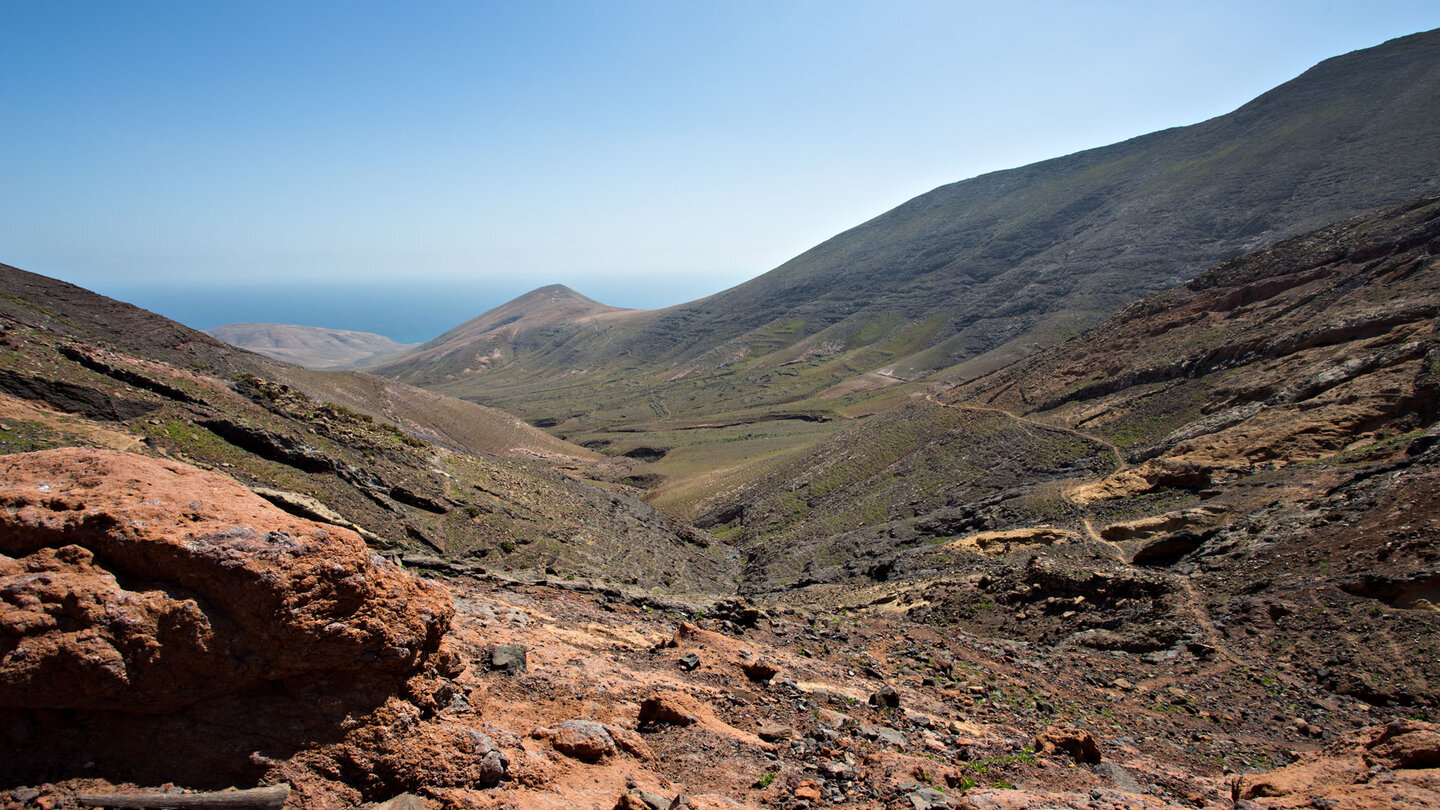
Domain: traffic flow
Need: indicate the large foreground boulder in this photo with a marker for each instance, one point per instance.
(160, 623)
(144, 585)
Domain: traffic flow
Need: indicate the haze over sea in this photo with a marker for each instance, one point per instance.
(410, 311)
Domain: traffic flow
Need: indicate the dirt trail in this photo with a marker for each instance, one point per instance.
(1113, 448)
(1191, 604)
(1120, 462)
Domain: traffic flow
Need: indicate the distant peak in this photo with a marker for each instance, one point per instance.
(555, 292)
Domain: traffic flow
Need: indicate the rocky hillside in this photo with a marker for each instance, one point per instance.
(54, 306)
(1247, 463)
(980, 272)
(1319, 348)
(80, 369)
(1184, 558)
(309, 346)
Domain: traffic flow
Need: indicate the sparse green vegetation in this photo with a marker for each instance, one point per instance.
(21, 436)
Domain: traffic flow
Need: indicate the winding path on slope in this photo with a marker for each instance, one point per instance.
(1111, 446)
(1191, 603)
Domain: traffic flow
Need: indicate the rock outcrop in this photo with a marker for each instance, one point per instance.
(1386, 766)
(143, 598)
(141, 585)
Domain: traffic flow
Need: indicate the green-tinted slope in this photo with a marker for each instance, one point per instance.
(910, 478)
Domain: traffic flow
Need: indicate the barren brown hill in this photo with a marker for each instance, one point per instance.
(496, 336)
(309, 346)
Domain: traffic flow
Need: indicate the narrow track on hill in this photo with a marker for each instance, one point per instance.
(1190, 602)
(1120, 462)
(1094, 535)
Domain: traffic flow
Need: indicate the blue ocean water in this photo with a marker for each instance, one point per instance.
(411, 311)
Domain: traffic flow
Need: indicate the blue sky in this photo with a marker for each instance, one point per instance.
(399, 167)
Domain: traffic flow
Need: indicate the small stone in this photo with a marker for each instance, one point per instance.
(808, 790)
(448, 661)
(582, 739)
(459, 705)
(886, 698)
(630, 801)
(509, 658)
(1078, 744)
(774, 732)
(651, 799)
(1120, 778)
(929, 799)
(690, 662)
(759, 669)
(665, 709)
(943, 661)
(836, 770)
(405, 801)
(630, 742)
(883, 734)
(493, 767)
(921, 720)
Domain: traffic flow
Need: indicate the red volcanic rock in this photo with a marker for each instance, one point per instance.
(1409, 744)
(583, 739)
(1393, 766)
(142, 585)
(1076, 743)
(669, 708)
(1368, 769)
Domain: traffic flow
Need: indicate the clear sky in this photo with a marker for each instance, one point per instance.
(401, 166)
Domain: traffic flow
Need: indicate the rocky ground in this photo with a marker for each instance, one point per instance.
(294, 656)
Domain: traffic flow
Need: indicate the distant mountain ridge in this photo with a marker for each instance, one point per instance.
(490, 337)
(978, 273)
(309, 346)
